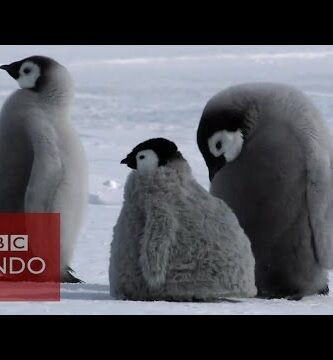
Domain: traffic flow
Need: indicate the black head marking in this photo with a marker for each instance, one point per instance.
(44, 63)
(216, 119)
(165, 150)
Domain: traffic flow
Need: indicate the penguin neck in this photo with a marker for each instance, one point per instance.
(181, 167)
(176, 173)
(251, 120)
(57, 88)
(57, 96)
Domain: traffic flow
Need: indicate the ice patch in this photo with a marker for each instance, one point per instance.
(114, 185)
(95, 199)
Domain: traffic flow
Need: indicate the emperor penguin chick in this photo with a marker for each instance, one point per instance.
(270, 158)
(173, 240)
(43, 168)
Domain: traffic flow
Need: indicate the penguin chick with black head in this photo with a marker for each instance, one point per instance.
(173, 240)
(270, 158)
(42, 162)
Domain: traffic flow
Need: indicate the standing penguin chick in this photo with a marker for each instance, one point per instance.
(173, 240)
(269, 155)
(42, 162)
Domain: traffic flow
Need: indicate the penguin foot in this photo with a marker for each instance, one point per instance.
(287, 295)
(215, 300)
(68, 278)
(232, 301)
(196, 299)
(325, 291)
(295, 297)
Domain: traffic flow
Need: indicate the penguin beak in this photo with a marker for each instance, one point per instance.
(212, 173)
(4, 67)
(12, 69)
(130, 162)
(213, 170)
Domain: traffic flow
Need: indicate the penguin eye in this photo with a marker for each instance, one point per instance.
(226, 143)
(27, 71)
(147, 161)
(215, 144)
(219, 145)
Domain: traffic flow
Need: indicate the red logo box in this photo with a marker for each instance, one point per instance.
(29, 257)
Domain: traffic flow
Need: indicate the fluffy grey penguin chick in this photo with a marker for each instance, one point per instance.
(269, 155)
(42, 162)
(173, 240)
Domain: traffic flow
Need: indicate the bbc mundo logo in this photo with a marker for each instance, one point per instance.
(15, 265)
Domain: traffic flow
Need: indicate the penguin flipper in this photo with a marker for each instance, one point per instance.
(68, 278)
(320, 200)
(159, 234)
(46, 171)
(226, 300)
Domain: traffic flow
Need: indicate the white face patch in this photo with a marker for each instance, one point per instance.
(226, 143)
(147, 161)
(29, 74)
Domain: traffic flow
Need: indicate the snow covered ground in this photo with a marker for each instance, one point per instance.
(127, 94)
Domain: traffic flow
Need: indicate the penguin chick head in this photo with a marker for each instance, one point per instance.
(152, 154)
(34, 72)
(221, 136)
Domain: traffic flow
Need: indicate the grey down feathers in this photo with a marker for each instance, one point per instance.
(174, 241)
